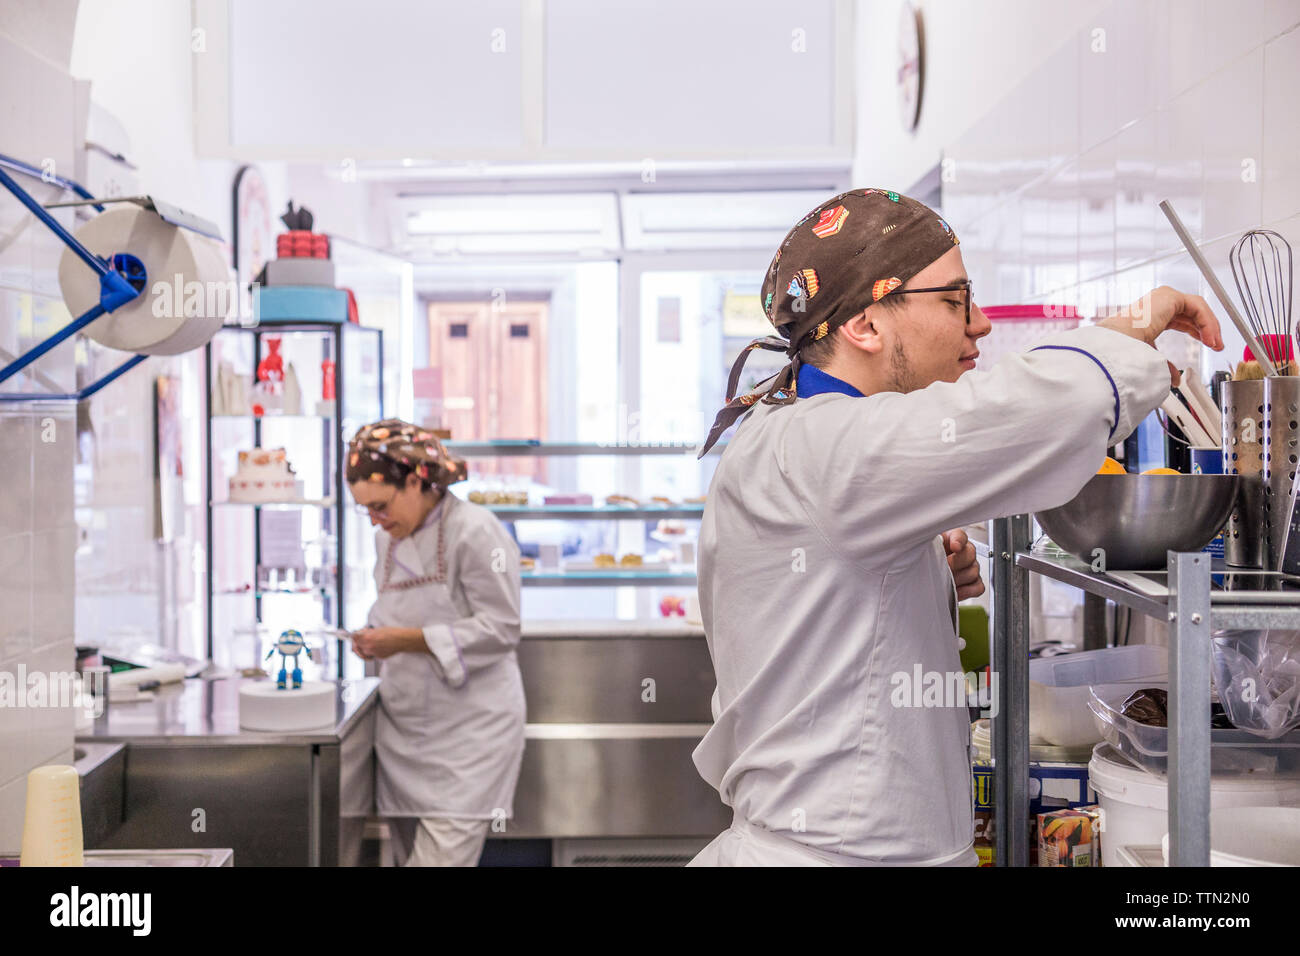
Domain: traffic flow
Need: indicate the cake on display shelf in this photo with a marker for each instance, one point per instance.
(264, 475)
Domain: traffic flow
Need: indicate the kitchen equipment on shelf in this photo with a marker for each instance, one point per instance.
(1212, 280)
(1129, 522)
(1261, 267)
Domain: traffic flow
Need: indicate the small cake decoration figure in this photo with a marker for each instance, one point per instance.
(290, 644)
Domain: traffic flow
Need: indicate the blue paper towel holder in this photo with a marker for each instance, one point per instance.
(122, 276)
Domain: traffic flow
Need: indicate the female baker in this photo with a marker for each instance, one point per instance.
(449, 735)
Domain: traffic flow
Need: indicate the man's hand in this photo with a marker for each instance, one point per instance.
(1166, 309)
(963, 564)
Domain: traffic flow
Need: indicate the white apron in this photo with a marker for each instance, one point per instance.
(442, 751)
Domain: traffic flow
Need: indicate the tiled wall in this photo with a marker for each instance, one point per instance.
(1054, 191)
(38, 536)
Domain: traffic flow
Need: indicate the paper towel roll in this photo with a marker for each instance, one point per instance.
(188, 292)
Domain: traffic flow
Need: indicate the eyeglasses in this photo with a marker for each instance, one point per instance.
(375, 510)
(963, 286)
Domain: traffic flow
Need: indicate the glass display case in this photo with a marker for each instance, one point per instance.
(595, 539)
(292, 551)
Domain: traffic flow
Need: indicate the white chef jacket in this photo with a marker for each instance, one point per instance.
(449, 735)
(822, 579)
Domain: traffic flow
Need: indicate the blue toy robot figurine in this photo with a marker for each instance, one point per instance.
(290, 644)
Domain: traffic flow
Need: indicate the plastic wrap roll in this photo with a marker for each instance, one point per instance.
(188, 292)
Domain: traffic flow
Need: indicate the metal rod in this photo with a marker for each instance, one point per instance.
(69, 330)
(1189, 709)
(208, 560)
(17, 165)
(1195, 252)
(117, 373)
(334, 453)
(39, 211)
(1010, 666)
(1015, 697)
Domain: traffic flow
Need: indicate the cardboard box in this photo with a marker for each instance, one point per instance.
(1070, 837)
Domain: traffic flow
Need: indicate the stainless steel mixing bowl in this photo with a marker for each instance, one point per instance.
(1136, 519)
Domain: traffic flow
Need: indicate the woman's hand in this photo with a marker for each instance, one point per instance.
(376, 643)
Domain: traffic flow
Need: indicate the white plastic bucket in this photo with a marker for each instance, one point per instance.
(1135, 805)
(1251, 836)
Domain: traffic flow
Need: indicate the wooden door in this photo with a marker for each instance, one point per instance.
(493, 361)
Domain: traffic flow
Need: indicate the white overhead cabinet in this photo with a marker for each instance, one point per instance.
(524, 79)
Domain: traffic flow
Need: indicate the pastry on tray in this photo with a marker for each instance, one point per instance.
(527, 564)
(621, 500)
(604, 561)
(697, 500)
(661, 500)
(630, 561)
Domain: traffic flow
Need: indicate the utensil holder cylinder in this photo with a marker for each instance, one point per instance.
(1245, 543)
(1281, 453)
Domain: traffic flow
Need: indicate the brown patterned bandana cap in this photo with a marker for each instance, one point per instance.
(390, 450)
(848, 253)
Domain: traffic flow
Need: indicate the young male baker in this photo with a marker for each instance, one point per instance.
(827, 564)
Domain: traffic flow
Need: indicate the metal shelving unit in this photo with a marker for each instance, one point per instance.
(1192, 613)
(339, 340)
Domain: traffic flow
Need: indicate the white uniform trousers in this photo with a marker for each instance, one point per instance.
(437, 841)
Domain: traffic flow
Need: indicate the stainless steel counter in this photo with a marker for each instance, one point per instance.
(205, 713)
(615, 710)
(661, 627)
(195, 780)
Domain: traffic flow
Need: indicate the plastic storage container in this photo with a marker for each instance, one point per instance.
(1135, 803)
(1059, 688)
(1235, 751)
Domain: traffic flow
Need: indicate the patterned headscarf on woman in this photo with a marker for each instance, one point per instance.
(390, 450)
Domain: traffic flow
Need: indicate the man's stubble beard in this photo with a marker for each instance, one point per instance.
(901, 378)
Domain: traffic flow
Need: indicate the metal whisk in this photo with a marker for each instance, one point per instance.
(1264, 282)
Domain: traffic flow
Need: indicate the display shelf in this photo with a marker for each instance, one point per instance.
(246, 416)
(581, 512)
(319, 348)
(268, 592)
(277, 505)
(529, 448)
(611, 578)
